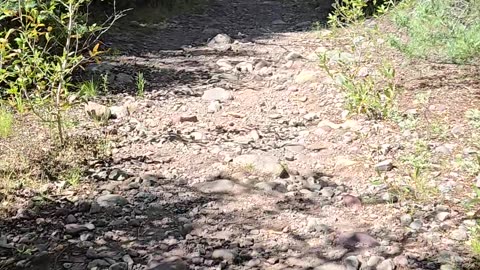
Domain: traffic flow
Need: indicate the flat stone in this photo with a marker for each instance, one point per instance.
(459, 235)
(78, 228)
(224, 254)
(331, 266)
(220, 186)
(306, 76)
(111, 200)
(386, 265)
(384, 166)
(97, 111)
(356, 239)
(118, 266)
(442, 216)
(261, 163)
(218, 94)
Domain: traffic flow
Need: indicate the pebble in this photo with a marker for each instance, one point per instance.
(386, 265)
(223, 254)
(406, 219)
(384, 166)
(416, 225)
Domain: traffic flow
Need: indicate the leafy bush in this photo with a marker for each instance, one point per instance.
(6, 121)
(43, 42)
(372, 93)
(444, 30)
(346, 12)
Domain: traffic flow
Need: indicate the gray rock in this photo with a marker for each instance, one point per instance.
(244, 67)
(293, 56)
(218, 94)
(278, 22)
(336, 254)
(327, 192)
(118, 175)
(78, 228)
(316, 225)
(352, 263)
(442, 216)
(214, 106)
(389, 197)
(374, 261)
(386, 265)
(224, 254)
(304, 262)
(111, 200)
(263, 164)
(356, 240)
(447, 267)
(384, 166)
(97, 263)
(306, 76)
(406, 219)
(173, 263)
(220, 39)
(97, 111)
(330, 266)
(118, 112)
(310, 116)
(118, 266)
(220, 186)
(416, 225)
(71, 219)
(459, 234)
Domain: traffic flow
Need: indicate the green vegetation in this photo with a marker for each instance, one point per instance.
(444, 30)
(371, 94)
(89, 89)
(6, 121)
(43, 44)
(473, 116)
(140, 84)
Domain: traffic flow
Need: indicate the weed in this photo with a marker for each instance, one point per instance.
(347, 12)
(72, 176)
(473, 115)
(409, 122)
(469, 164)
(6, 122)
(105, 83)
(438, 130)
(89, 89)
(417, 183)
(422, 98)
(140, 84)
(373, 95)
(444, 30)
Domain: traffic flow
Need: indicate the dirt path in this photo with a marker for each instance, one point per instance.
(237, 158)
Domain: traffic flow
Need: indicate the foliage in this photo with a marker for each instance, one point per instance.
(6, 121)
(88, 89)
(473, 116)
(140, 84)
(45, 41)
(444, 30)
(370, 94)
(346, 12)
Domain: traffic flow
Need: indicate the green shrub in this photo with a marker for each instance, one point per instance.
(6, 121)
(373, 95)
(346, 12)
(43, 42)
(442, 30)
